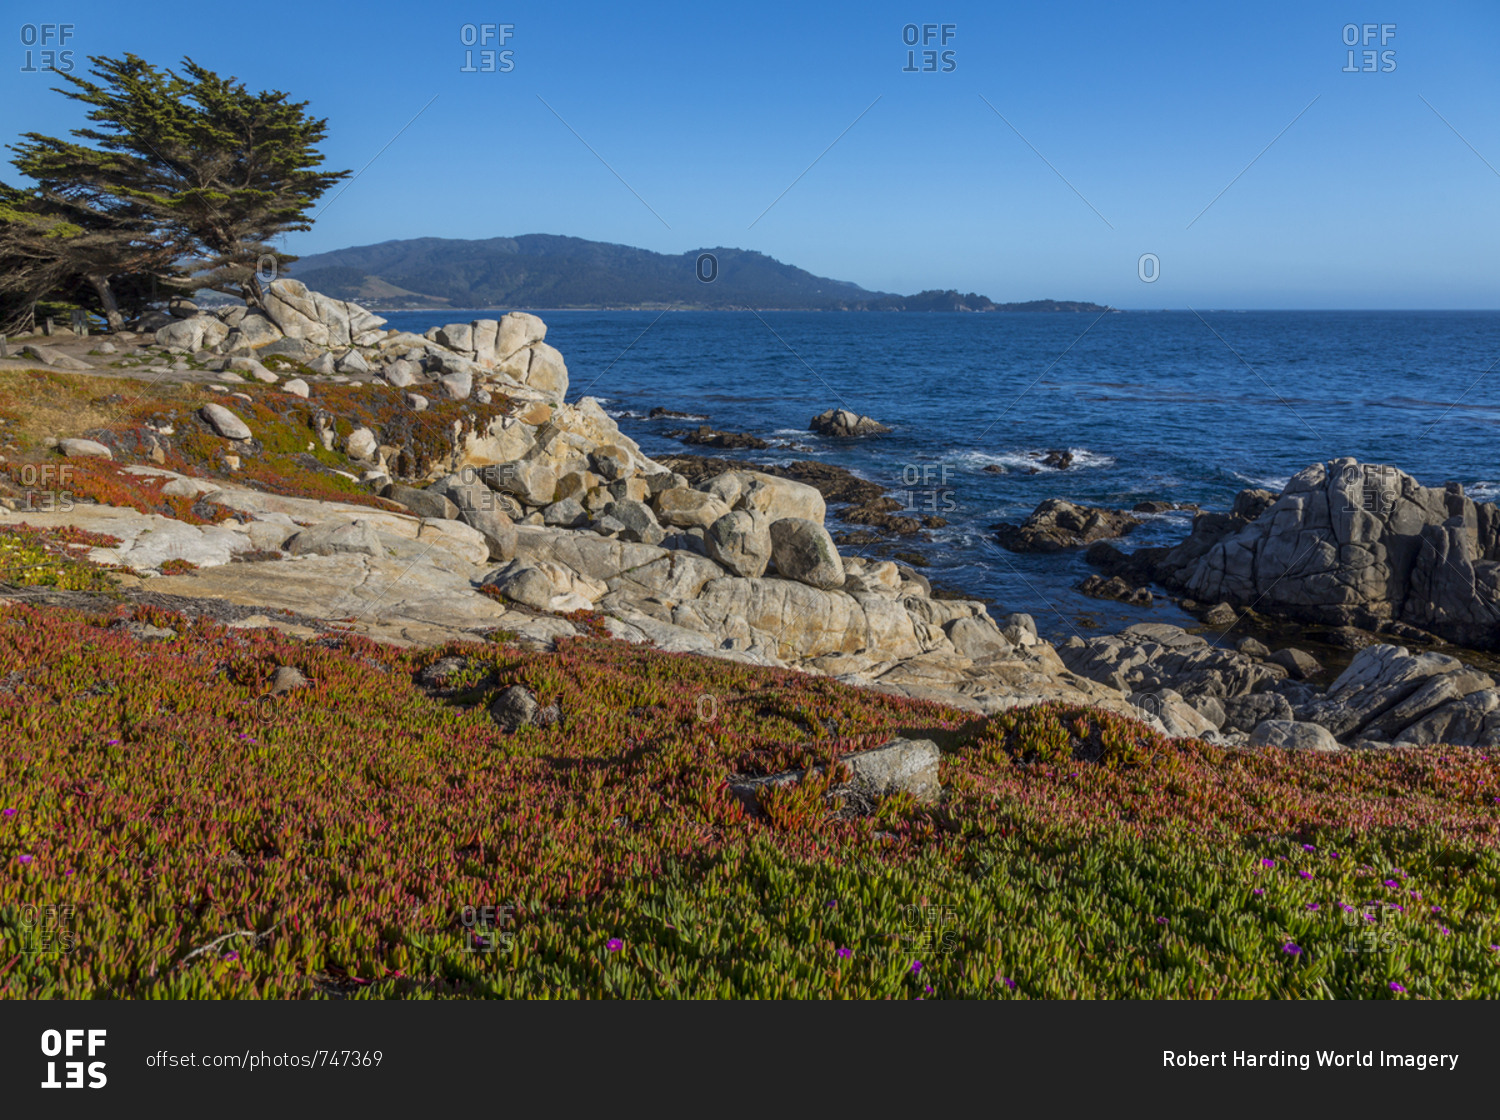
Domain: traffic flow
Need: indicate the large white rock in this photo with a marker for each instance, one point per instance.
(547, 372)
(361, 444)
(776, 498)
(687, 509)
(515, 332)
(802, 550)
(314, 317)
(201, 332)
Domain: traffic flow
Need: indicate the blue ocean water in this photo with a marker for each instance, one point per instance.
(1174, 406)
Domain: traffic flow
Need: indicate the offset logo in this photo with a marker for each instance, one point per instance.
(49, 37)
(66, 1044)
(492, 60)
(489, 927)
(1371, 61)
(929, 60)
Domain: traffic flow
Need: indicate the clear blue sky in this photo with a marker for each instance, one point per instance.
(710, 111)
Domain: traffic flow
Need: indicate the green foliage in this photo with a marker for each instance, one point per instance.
(175, 165)
(346, 835)
(32, 557)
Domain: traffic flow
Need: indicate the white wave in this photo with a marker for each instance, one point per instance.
(624, 414)
(1483, 491)
(1276, 484)
(792, 432)
(1026, 462)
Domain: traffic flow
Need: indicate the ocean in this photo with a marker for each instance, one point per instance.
(1170, 406)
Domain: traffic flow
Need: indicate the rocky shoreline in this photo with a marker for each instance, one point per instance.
(540, 519)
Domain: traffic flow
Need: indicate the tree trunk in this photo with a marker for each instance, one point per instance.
(107, 299)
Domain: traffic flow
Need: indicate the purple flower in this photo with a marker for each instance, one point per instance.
(8, 813)
(1312, 905)
(1008, 982)
(1437, 909)
(1257, 891)
(67, 873)
(1392, 883)
(614, 944)
(1308, 848)
(231, 956)
(1346, 908)
(1446, 931)
(844, 954)
(832, 902)
(1417, 895)
(112, 742)
(1333, 855)
(1291, 949)
(916, 967)
(1268, 863)
(1161, 921)
(927, 988)
(1494, 948)
(24, 859)
(1395, 987)
(1305, 874)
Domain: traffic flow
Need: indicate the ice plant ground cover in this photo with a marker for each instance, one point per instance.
(194, 836)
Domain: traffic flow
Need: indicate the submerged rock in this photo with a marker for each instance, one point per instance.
(842, 423)
(1058, 524)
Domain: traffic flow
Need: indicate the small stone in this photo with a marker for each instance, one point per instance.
(285, 679)
(1252, 648)
(84, 448)
(1293, 735)
(402, 373)
(424, 503)
(566, 514)
(352, 362)
(1220, 616)
(517, 707)
(297, 387)
(1300, 664)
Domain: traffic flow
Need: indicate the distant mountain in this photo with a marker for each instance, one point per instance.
(544, 271)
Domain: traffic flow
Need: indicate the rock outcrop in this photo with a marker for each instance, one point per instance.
(1059, 524)
(1351, 544)
(535, 509)
(1389, 695)
(338, 337)
(843, 424)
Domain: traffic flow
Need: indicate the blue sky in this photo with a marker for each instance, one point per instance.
(710, 111)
